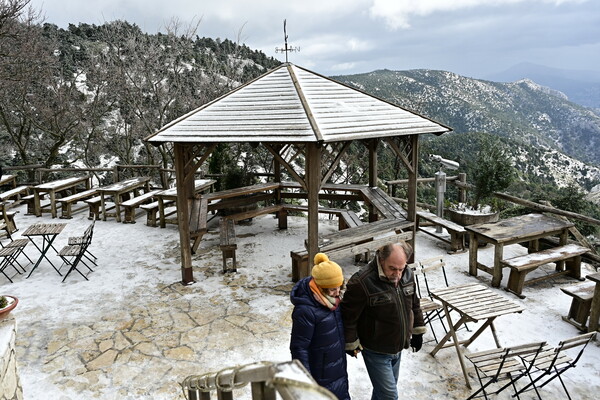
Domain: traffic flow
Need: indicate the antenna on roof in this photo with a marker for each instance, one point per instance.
(287, 48)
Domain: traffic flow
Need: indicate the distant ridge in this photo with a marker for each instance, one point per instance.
(580, 86)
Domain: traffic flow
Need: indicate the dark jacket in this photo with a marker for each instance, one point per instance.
(379, 316)
(317, 340)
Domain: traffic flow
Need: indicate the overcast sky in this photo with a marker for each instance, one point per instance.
(339, 37)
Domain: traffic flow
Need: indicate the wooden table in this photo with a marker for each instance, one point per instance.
(595, 311)
(56, 186)
(200, 186)
(525, 228)
(48, 232)
(474, 302)
(8, 179)
(118, 191)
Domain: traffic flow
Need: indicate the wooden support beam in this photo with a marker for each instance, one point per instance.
(181, 160)
(313, 181)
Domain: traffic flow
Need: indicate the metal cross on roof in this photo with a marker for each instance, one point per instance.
(287, 48)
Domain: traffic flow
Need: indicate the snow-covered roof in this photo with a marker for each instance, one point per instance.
(291, 104)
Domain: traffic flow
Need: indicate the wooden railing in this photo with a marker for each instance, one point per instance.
(289, 379)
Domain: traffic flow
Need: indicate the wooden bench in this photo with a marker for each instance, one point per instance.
(522, 265)
(347, 218)
(456, 231)
(357, 241)
(129, 206)
(94, 206)
(67, 202)
(581, 304)
(15, 194)
(383, 203)
(228, 243)
(254, 213)
(7, 218)
(198, 209)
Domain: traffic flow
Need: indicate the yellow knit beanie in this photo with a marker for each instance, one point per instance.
(326, 273)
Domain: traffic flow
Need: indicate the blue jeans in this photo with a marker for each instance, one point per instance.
(383, 371)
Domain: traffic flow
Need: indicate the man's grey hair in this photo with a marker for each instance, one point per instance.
(384, 251)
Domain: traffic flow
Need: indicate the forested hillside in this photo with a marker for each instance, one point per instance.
(522, 112)
(88, 95)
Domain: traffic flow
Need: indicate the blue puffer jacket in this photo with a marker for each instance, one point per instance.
(318, 340)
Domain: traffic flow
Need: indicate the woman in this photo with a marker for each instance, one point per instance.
(317, 339)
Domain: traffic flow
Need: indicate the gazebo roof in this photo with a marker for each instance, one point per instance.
(290, 104)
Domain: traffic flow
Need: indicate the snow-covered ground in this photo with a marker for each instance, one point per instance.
(133, 331)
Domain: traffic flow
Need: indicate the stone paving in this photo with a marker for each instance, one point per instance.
(165, 334)
(134, 332)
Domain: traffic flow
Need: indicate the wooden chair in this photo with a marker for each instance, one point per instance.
(496, 365)
(432, 310)
(80, 240)
(551, 363)
(73, 254)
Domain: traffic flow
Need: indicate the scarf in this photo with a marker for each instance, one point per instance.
(330, 302)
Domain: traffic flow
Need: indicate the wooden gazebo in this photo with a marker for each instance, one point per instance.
(292, 111)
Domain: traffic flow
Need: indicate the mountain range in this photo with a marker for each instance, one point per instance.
(580, 86)
(547, 133)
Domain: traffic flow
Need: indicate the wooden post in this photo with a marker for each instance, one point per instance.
(462, 192)
(313, 183)
(181, 160)
(372, 174)
(282, 214)
(412, 188)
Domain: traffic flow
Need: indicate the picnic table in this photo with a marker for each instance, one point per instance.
(118, 192)
(525, 228)
(474, 302)
(48, 232)
(52, 188)
(595, 311)
(169, 195)
(8, 179)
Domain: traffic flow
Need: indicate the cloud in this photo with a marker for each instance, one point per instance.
(398, 13)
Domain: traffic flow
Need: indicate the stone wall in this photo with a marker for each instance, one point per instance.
(10, 385)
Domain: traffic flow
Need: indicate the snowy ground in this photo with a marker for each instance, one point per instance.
(132, 331)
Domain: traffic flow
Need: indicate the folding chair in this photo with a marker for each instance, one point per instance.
(73, 254)
(18, 244)
(431, 309)
(78, 240)
(7, 257)
(493, 366)
(553, 362)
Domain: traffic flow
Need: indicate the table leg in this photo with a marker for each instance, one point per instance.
(497, 276)
(452, 331)
(473, 249)
(161, 212)
(103, 206)
(118, 207)
(37, 207)
(489, 322)
(53, 203)
(46, 245)
(563, 239)
(595, 313)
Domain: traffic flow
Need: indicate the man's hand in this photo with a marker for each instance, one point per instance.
(353, 353)
(416, 342)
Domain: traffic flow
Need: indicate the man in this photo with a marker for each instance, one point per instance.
(382, 315)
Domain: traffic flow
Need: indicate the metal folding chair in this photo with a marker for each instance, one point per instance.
(509, 363)
(432, 310)
(19, 246)
(79, 240)
(553, 362)
(73, 254)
